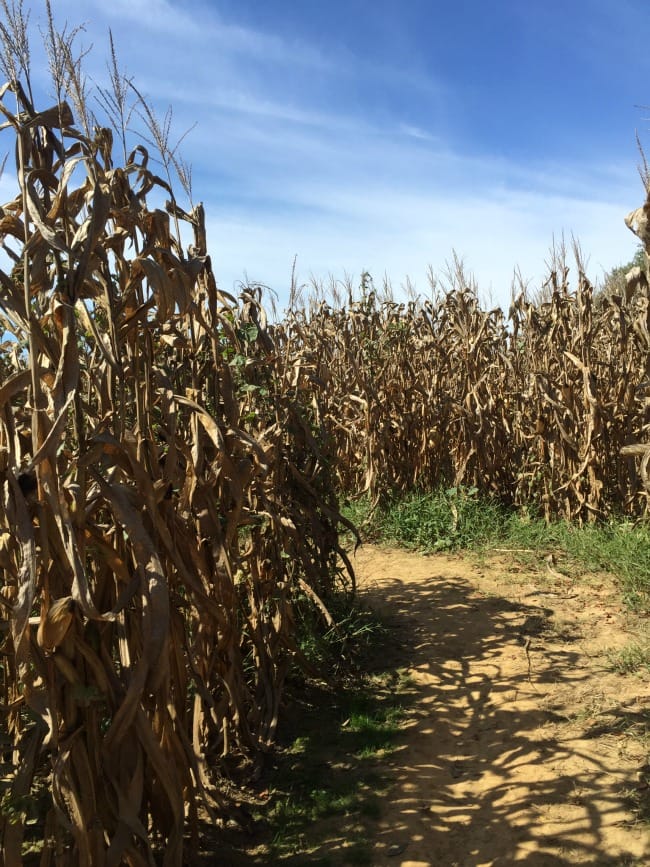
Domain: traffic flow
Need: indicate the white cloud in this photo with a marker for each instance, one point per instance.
(287, 165)
(402, 236)
(415, 132)
(193, 29)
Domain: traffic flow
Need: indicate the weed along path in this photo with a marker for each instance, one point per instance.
(521, 744)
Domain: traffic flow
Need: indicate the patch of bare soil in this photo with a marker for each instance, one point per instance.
(520, 746)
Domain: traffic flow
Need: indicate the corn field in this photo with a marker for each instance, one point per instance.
(533, 408)
(166, 495)
(171, 466)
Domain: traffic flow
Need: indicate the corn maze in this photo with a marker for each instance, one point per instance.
(534, 408)
(171, 466)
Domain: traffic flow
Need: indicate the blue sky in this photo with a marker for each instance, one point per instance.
(384, 135)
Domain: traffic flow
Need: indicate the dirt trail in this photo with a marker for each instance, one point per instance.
(518, 747)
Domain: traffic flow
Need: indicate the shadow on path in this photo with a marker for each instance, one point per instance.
(493, 770)
(514, 748)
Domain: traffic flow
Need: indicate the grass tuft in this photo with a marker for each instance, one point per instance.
(632, 658)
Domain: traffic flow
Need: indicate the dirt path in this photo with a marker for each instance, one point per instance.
(518, 747)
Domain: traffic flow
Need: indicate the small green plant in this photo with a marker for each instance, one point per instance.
(15, 809)
(375, 729)
(633, 657)
(354, 631)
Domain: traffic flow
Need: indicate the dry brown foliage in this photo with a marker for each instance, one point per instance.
(533, 408)
(165, 495)
(170, 465)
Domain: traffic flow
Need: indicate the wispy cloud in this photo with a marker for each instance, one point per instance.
(415, 132)
(311, 151)
(402, 235)
(157, 16)
(196, 31)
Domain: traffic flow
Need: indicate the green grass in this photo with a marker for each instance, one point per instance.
(460, 519)
(329, 771)
(617, 546)
(339, 648)
(373, 728)
(447, 520)
(633, 657)
(325, 785)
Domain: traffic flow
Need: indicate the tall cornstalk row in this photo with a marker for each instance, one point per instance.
(533, 408)
(582, 369)
(476, 389)
(166, 496)
(415, 394)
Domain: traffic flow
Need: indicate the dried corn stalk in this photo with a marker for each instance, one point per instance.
(533, 409)
(165, 495)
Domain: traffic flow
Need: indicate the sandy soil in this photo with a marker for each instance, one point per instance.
(520, 745)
